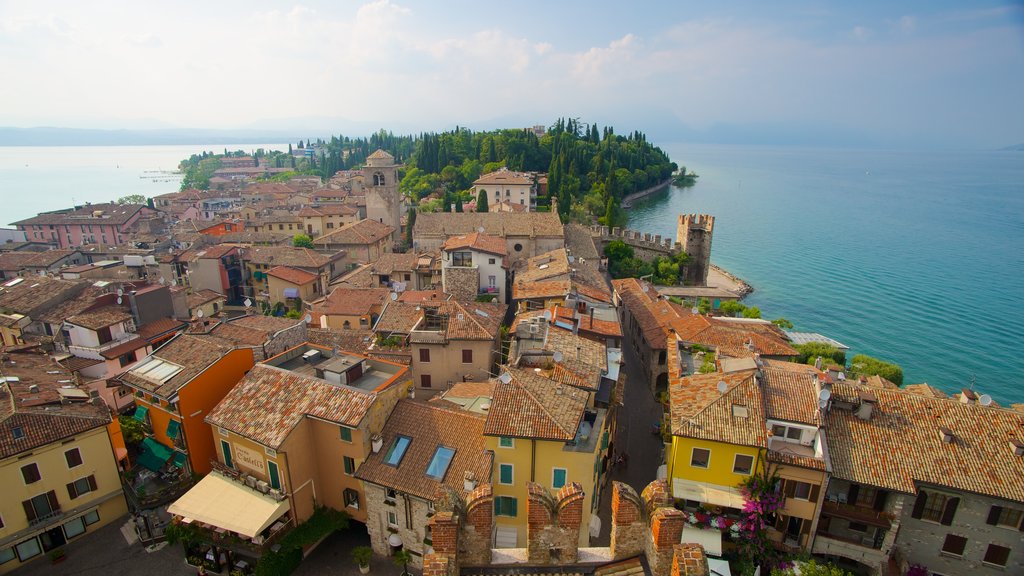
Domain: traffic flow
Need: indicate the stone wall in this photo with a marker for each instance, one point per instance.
(286, 339)
(553, 524)
(461, 283)
(645, 245)
(694, 233)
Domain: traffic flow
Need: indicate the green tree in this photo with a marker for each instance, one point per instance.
(410, 222)
(481, 202)
(812, 568)
(458, 203)
(864, 365)
(731, 308)
(810, 352)
(302, 241)
(132, 199)
(752, 312)
(131, 429)
(783, 323)
(618, 250)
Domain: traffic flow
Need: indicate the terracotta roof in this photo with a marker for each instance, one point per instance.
(543, 289)
(389, 262)
(360, 277)
(38, 412)
(531, 406)
(476, 241)
(293, 275)
(269, 324)
(548, 265)
(37, 294)
(269, 402)
(399, 317)
(159, 327)
(654, 315)
(113, 214)
(124, 348)
(380, 154)
(335, 209)
(193, 354)
(288, 256)
(699, 410)
(57, 313)
(360, 233)
(199, 297)
(471, 390)
(420, 296)
(925, 389)
(501, 224)
(504, 176)
(74, 363)
(101, 317)
(580, 241)
(900, 447)
(731, 336)
(240, 336)
(343, 301)
(355, 340)
(429, 426)
(789, 395)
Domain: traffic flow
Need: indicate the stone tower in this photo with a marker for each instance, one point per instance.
(380, 182)
(694, 235)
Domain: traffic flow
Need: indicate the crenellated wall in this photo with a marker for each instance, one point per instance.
(693, 236)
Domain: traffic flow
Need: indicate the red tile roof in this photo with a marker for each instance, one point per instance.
(476, 241)
(292, 275)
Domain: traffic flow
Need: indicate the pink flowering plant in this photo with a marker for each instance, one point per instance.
(762, 502)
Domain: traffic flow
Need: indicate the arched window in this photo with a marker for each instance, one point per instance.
(378, 179)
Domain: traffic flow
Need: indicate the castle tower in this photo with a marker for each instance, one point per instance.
(694, 235)
(380, 182)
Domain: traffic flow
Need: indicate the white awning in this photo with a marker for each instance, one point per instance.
(711, 540)
(707, 493)
(226, 504)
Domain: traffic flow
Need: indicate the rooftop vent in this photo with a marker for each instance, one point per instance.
(376, 443)
(33, 388)
(739, 410)
(867, 404)
(945, 434)
(469, 481)
(968, 396)
(1017, 445)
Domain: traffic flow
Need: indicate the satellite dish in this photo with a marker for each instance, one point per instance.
(199, 313)
(248, 303)
(547, 315)
(695, 310)
(824, 395)
(480, 229)
(394, 296)
(558, 356)
(985, 400)
(505, 378)
(120, 299)
(822, 404)
(120, 292)
(645, 288)
(722, 386)
(309, 318)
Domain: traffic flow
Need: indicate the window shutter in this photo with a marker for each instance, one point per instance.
(993, 515)
(51, 497)
(922, 499)
(814, 495)
(92, 482)
(71, 491)
(880, 500)
(950, 511)
(805, 526)
(789, 488)
(30, 512)
(851, 496)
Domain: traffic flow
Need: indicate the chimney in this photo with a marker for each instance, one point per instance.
(666, 532)
(469, 481)
(817, 363)
(867, 404)
(945, 434)
(1017, 445)
(968, 396)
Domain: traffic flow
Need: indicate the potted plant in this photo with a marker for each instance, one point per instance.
(402, 558)
(361, 555)
(58, 555)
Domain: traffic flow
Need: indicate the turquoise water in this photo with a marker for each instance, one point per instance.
(913, 257)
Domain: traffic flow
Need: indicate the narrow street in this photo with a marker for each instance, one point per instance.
(639, 411)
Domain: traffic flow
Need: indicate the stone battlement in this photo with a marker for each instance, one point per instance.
(636, 239)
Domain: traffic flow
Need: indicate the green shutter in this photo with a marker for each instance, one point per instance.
(226, 448)
(172, 429)
(140, 413)
(505, 473)
(180, 459)
(346, 433)
(604, 440)
(275, 477)
(513, 503)
(558, 477)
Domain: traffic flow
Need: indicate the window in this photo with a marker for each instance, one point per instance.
(91, 517)
(346, 433)
(18, 432)
(505, 506)
(126, 359)
(1009, 517)
(462, 258)
(30, 473)
(558, 478)
(330, 224)
(858, 527)
(390, 496)
(104, 335)
(41, 506)
(392, 519)
(424, 380)
(424, 354)
(6, 555)
(798, 490)
(226, 449)
(518, 247)
(490, 260)
(954, 545)
(505, 474)
(351, 498)
(506, 442)
(28, 549)
(438, 466)
(393, 457)
(936, 507)
(700, 458)
(467, 356)
(996, 554)
(350, 466)
(866, 496)
(793, 434)
(74, 528)
(81, 486)
(743, 464)
(275, 475)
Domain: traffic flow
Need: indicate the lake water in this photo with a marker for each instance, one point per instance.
(913, 257)
(35, 179)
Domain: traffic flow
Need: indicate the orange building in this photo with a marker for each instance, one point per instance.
(175, 388)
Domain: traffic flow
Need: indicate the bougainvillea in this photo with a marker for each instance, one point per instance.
(762, 502)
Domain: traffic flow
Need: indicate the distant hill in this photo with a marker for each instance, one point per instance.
(47, 136)
(1015, 147)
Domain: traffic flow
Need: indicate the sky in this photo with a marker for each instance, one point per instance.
(903, 74)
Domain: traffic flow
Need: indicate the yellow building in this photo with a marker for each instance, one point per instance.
(57, 465)
(292, 285)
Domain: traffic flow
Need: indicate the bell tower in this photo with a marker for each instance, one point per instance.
(380, 182)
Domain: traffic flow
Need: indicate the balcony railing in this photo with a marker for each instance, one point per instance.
(872, 542)
(247, 480)
(44, 518)
(861, 514)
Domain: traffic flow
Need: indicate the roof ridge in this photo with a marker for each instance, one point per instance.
(544, 407)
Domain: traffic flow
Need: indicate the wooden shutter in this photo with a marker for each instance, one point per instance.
(851, 496)
(922, 499)
(815, 489)
(51, 497)
(789, 488)
(880, 497)
(950, 511)
(805, 526)
(92, 483)
(30, 512)
(72, 493)
(993, 515)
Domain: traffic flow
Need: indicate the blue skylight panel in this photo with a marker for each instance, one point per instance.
(394, 454)
(440, 462)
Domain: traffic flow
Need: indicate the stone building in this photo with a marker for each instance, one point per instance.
(694, 233)
(383, 200)
(526, 234)
(474, 265)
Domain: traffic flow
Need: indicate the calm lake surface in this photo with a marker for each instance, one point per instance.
(913, 257)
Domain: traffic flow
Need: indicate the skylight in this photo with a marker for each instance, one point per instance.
(440, 462)
(394, 454)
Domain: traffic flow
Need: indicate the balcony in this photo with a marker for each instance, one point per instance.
(861, 514)
(45, 518)
(858, 550)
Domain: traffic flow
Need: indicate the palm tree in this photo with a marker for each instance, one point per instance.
(402, 558)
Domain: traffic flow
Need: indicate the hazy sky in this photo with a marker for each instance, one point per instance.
(889, 73)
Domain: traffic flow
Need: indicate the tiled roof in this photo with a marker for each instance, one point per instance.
(543, 289)
(124, 348)
(29, 295)
(653, 315)
(287, 256)
(471, 390)
(503, 176)
(399, 317)
(68, 308)
(101, 317)
(380, 154)
(389, 262)
(269, 324)
(579, 240)
(699, 410)
(531, 406)
(159, 327)
(360, 233)
(240, 336)
(336, 209)
(551, 264)
(900, 447)
(789, 395)
(731, 336)
(199, 297)
(360, 277)
(192, 353)
(113, 214)
(343, 301)
(420, 296)
(356, 340)
(429, 426)
(501, 224)
(39, 412)
(476, 241)
(74, 363)
(269, 402)
(925, 389)
(292, 275)
(472, 320)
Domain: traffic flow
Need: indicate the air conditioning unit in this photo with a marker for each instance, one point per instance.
(311, 355)
(263, 487)
(250, 481)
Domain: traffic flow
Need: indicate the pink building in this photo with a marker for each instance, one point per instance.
(90, 224)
